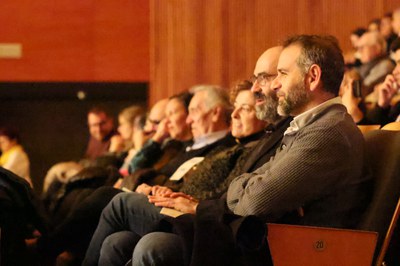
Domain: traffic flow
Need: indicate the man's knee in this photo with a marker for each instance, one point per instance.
(117, 248)
(159, 249)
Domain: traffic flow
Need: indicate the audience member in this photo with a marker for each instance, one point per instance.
(356, 35)
(170, 136)
(386, 30)
(387, 110)
(13, 157)
(374, 25)
(396, 21)
(316, 177)
(156, 115)
(86, 215)
(352, 58)
(20, 214)
(375, 64)
(208, 118)
(126, 129)
(101, 129)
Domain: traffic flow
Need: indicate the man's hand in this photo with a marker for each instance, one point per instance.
(185, 204)
(161, 191)
(144, 189)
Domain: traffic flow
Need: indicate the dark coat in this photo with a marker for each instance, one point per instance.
(20, 213)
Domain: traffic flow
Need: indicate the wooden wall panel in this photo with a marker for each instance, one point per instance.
(218, 41)
(76, 40)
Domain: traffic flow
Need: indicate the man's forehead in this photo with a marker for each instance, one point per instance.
(267, 62)
(95, 116)
(289, 56)
(197, 99)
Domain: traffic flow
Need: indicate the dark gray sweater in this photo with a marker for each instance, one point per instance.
(317, 175)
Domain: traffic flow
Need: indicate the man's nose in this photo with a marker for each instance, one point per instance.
(235, 113)
(275, 84)
(189, 119)
(255, 87)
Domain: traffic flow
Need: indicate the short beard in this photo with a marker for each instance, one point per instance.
(295, 98)
(268, 110)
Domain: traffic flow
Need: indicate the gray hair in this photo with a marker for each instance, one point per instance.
(375, 38)
(216, 96)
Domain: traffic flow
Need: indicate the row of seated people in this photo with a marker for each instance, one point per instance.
(307, 170)
(369, 92)
(222, 154)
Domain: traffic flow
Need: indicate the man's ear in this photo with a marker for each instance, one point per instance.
(314, 77)
(216, 113)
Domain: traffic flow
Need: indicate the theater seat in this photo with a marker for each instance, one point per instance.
(394, 126)
(366, 128)
(298, 245)
(383, 156)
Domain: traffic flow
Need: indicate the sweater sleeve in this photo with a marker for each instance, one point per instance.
(301, 171)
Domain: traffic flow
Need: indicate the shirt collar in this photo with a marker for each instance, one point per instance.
(207, 139)
(304, 118)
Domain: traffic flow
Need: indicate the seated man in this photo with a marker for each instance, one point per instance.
(265, 109)
(316, 178)
(375, 63)
(387, 108)
(101, 129)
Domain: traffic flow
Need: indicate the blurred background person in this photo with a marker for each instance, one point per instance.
(101, 129)
(352, 58)
(396, 22)
(375, 63)
(374, 24)
(13, 157)
(386, 30)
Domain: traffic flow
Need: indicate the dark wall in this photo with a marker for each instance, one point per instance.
(51, 118)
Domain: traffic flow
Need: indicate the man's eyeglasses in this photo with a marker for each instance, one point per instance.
(262, 78)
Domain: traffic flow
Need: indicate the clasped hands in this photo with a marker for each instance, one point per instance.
(164, 197)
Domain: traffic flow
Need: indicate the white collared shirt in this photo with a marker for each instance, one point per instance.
(302, 119)
(207, 139)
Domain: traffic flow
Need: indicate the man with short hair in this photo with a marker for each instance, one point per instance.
(101, 129)
(375, 63)
(315, 178)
